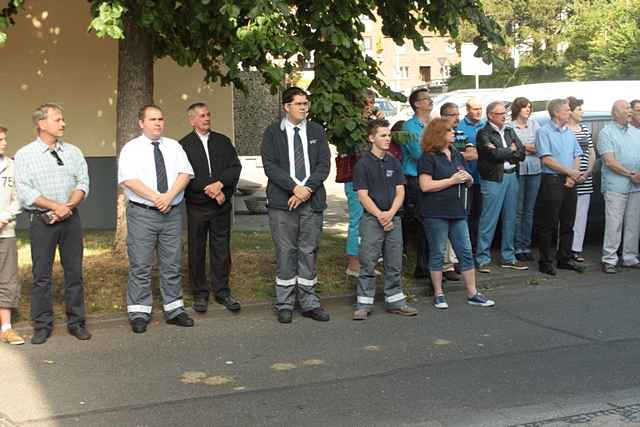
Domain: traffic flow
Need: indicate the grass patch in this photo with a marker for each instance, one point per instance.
(252, 275)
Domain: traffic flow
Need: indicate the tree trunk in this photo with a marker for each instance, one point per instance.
(135, 89)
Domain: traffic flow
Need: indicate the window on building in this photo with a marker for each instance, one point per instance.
(425, 74)
(402, 72)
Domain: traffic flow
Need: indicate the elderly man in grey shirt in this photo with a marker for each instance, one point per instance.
(52, 180)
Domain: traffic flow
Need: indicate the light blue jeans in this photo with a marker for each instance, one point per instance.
(499, 200)
(355, 211)
(529, 186)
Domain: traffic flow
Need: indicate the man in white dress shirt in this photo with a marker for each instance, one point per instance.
(154, 171)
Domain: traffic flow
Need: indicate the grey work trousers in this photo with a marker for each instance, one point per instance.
(621, 216)
(374, 242)
(149, 230)
(296, 236)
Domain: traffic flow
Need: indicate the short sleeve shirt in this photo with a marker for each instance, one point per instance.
(559, 143)
(470, 130)
(137, 161)
(379, 176)
(450, 202)
(623, 142)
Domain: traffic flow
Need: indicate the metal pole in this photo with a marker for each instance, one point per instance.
(477, 81)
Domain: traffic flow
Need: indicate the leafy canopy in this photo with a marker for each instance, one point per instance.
(276, 36)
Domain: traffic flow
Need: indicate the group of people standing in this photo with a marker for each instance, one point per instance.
(448, 186)
(464, 177)
(50, 179)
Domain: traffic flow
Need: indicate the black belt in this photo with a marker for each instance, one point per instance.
(151, 208)
(34, 211)
(512, 170)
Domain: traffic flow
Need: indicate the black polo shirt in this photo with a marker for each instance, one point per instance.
(447, 203)
(379, 177)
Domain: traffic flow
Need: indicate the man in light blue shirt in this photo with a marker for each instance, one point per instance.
(619, 147)
(559, 154)
(470, 125)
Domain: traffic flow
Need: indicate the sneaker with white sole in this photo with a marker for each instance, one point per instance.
(480, 300)
(10, 336)
(440, 302)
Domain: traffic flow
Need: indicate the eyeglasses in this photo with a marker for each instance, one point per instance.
(300, 104)
(499, 114)
(57, 157)
(423, 99)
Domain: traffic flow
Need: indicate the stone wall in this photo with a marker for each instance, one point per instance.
(253, 111)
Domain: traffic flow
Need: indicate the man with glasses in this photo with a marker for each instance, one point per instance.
(499, 152)
(52, 180)
(296, 160)
(422, 104)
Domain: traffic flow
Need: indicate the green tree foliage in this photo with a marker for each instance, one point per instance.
(604, 40)
(276, 36)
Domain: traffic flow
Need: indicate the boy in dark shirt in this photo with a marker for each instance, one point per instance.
(379, 181)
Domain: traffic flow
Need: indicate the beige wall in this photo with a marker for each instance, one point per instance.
(50, 57)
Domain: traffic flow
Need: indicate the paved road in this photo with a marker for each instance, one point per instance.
(556, 354)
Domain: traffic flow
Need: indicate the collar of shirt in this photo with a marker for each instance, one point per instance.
(44, 147)
(286, 124)
(382, 159)
(473, 124)
(557, 127)
(417, 121)
(204, 137)
(623, 128)
(148, 140)
(500, 130)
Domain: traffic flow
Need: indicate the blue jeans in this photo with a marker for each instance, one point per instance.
(499, 199)
(437, 231)
(355, 210)
(529, 186)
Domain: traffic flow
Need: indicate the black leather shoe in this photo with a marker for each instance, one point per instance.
(285, 316)
(228, 302)
(80, 331)
(40, 336)
(547, 269)
(317, 314)
(200, 305)
(571, 265)
(139, 326)
(181, 319)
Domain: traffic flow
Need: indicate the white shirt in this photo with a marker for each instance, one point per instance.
(205, 143)
(507, 165)
(289, 128)
(138, 162)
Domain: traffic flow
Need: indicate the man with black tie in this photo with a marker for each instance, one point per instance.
(217, 169)
(154, 171)
(296, 159)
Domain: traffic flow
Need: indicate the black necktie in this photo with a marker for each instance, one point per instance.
(161, 171)
(298, 154)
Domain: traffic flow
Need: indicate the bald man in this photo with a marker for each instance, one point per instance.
(619, 147)
(470, 125)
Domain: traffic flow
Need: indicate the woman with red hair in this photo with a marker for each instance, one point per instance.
(444, 180)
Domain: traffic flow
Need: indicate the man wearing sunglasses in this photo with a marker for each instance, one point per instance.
(52, 180)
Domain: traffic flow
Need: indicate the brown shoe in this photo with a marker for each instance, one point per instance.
(360, 314)
(10, 336)
(516, 265)
(405, 310)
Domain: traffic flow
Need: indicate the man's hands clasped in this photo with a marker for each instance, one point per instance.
(300, 195)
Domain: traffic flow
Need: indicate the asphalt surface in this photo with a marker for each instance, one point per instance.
(558, 354)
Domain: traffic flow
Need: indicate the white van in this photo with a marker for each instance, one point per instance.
(598, 96)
